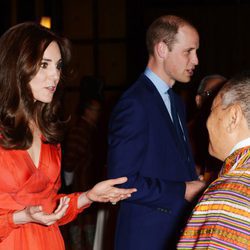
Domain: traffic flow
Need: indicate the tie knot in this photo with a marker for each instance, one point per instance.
(170, 93)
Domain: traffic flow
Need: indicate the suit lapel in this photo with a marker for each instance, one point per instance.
(156, 98)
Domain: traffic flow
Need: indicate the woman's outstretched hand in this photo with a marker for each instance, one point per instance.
(106, 191)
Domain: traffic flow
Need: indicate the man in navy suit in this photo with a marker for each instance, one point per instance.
(146, 146)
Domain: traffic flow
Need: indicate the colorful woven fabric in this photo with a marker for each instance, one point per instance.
(221, 219)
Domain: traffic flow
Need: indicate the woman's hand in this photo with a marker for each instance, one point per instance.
(35, 214)
(106, 192)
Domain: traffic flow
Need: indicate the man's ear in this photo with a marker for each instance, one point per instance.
(235, 117)
(161, 49)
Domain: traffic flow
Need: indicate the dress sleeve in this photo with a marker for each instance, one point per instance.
(6, 223)
(72, 210)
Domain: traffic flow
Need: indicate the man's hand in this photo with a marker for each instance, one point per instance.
(193, 188)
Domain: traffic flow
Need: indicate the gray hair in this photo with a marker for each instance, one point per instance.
(237, 90)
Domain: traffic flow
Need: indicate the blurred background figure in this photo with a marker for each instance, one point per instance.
(208, 87)
(83, 158)
(207, 90)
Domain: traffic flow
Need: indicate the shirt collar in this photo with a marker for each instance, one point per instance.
(161, 86)
(241, 144)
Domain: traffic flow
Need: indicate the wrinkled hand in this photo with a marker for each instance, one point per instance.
(193, 188)
(36, 214)
(105, 191)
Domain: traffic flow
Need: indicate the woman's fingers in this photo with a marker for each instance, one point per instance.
(118, 194)
(64, 201)
(106, 191)
(117, 181)
(37, 214)
(123, 191)
(61, 209)
(118, 198)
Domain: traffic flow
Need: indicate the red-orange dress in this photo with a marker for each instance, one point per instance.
(23, 184)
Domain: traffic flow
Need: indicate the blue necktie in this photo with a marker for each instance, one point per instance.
(180, 135)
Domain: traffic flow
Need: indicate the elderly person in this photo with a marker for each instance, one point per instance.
(221, 218)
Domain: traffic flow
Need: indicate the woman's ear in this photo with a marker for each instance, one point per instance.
(161, 49)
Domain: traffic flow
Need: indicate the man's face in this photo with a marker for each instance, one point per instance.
(180, 62)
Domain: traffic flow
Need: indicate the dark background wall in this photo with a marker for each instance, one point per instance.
(108, 36)
(108, 41)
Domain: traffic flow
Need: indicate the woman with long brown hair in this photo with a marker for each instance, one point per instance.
(33, 62)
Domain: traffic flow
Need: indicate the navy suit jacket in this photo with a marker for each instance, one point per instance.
(143, 147)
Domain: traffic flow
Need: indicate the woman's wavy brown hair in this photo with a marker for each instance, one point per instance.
(21, 51)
